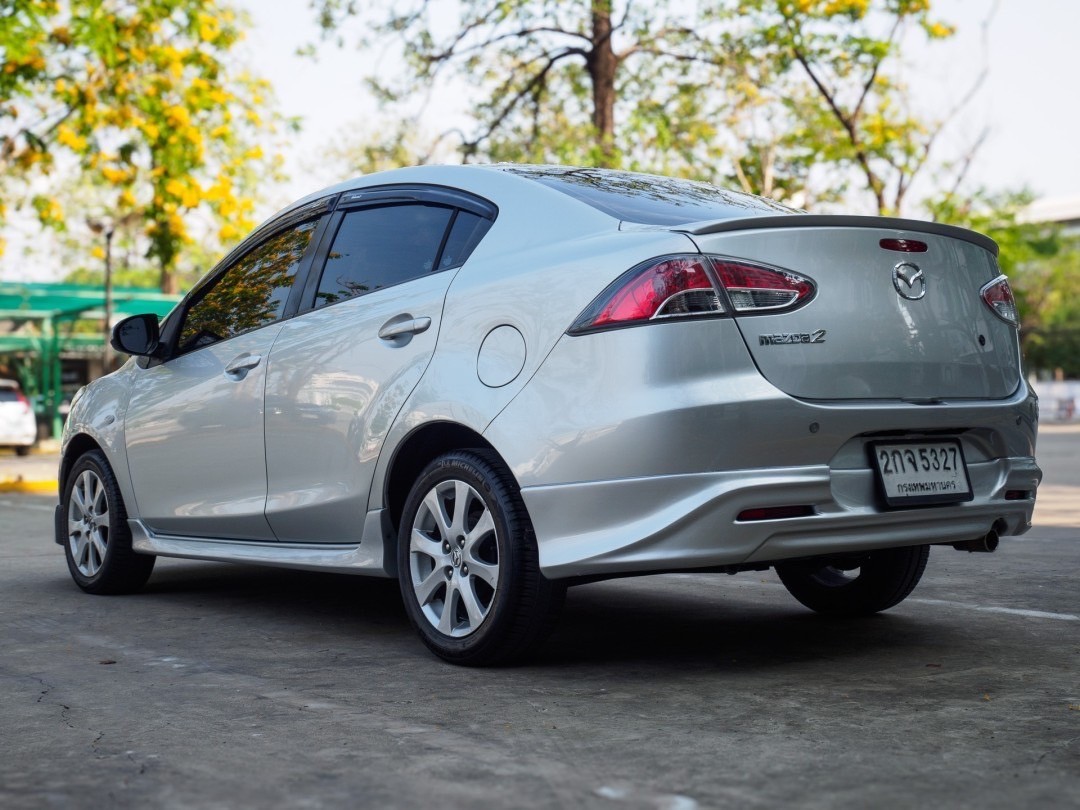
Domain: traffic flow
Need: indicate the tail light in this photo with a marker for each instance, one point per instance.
(686, 287)
(752, 288)
(21, 397)
(998, 295)
(671, 287)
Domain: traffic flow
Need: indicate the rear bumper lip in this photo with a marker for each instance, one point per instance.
(689, 521)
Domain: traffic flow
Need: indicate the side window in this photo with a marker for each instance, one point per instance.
(250, 294)
(466, 233)
(380, 247)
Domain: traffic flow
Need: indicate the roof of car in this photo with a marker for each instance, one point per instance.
(648, 199)
(627, 196)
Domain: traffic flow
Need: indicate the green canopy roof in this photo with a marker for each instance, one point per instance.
(32, 301)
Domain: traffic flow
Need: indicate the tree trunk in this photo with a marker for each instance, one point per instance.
(602, 65)
(168, 281)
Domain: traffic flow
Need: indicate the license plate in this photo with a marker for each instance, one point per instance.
(921, 472)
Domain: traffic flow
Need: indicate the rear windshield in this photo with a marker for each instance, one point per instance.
(649, 199)
(8, 395)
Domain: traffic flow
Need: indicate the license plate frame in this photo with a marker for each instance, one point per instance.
(921, 472)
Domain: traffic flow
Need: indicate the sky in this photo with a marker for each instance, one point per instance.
(1028, 103)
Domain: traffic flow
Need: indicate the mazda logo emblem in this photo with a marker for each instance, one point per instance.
(909, 281)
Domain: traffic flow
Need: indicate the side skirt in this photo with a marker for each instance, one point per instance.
(368, 557)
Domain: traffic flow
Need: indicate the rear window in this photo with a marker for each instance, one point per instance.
(649, 199)
(8, 395)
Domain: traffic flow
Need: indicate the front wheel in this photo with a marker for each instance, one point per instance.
(857, 585)
(468, 564)
(98, 542)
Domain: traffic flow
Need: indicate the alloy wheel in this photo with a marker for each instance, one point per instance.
(88, 523)
(454, 558)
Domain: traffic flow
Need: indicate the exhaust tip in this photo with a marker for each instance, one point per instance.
(987, 543)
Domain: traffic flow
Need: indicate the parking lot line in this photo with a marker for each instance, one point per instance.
(1031, 614)
(20, 505)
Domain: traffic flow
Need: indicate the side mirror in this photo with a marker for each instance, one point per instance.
(137, 335)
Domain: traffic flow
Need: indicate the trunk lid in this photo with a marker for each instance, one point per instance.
(867, 333)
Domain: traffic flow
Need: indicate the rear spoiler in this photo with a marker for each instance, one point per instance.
(901, 226)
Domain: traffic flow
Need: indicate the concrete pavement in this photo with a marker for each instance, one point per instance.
(230, 687)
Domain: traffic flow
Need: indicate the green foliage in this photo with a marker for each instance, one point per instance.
(142, 96)
(587, 82)
(835, 73)
(795, 99)
(1043, 266)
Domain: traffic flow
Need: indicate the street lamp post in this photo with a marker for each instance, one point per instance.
(107, 354)
(107, 228)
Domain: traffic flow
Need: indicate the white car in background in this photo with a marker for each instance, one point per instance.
(18, 427)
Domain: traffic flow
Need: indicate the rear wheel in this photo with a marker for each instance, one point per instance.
(856, 585)
(468, 564)
(22, 450)
(98, 541)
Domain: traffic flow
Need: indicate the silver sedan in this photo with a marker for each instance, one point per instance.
(493, 382)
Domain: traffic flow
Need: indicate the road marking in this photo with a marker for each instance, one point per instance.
(1031, 614)
(32, 506)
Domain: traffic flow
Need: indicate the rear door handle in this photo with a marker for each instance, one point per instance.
(409, 326)
(240, 366)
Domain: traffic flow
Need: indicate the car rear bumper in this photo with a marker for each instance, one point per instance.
(638, 449)
(18, 437)
(691, 521)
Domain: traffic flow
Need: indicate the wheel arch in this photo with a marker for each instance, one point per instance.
(418, 449)
(79, 444)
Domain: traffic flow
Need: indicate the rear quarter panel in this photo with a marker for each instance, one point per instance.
(543, 261)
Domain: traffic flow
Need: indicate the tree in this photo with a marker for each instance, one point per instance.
(140, 96)
(769, 94)
(836, 63)
(1043, 266)
(595, 82)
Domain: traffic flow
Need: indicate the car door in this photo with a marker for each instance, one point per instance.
(194, 425)
(339, 373)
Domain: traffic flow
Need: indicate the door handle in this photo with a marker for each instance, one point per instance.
(240, 366)
(410, 326)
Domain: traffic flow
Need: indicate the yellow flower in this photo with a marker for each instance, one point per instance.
(940, 30)
(114, 175)
(178, 116)
(209, 28)
(68, 138)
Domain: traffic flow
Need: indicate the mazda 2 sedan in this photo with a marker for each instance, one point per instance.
(493, 382)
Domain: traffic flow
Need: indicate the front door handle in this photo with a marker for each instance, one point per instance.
(240, 366)
(395, 328)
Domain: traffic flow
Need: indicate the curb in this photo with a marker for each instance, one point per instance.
(47, 487)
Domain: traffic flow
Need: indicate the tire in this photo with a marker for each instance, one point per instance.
(98, 545)
(468, 564)
(23, 450)
(858, 585)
